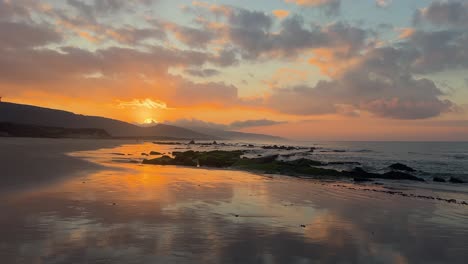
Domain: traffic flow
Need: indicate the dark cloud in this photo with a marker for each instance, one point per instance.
(9, 9)
(444, 13)
(437, 51)
(96, 8)
(192, 37)
(21, 35)
(379, 84)
(252, 20)
(132, 35)
(294, 37)
(202, 72)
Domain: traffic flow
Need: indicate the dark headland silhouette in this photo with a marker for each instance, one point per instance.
(33, 121)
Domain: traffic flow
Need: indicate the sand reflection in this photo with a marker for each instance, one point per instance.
(146, 214)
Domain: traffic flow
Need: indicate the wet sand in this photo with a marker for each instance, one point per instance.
(29, 162)
(128, 213)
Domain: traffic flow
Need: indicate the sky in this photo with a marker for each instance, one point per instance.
(301, 69)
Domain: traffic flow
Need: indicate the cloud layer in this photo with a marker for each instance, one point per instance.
(100, 47)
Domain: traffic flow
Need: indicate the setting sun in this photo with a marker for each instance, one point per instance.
(150, 121)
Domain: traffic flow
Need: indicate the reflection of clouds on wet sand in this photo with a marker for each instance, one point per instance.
(147, 214)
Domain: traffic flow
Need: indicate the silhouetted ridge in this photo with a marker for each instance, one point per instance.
(21, 130)
(39, 116)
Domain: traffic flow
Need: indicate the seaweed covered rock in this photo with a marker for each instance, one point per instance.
(306, 162)
(164, 160)
(360, 173)
(217, 158)
(456, 180)
(398, 175)
(438, 179)
(401, 167)
(271, 165)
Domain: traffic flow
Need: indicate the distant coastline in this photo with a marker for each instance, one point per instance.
(32, 121)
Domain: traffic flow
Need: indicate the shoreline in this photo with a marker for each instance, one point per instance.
(59, 161)
(31, 162)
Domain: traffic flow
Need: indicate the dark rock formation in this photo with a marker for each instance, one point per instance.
(401, 167)
(456, 180)
(270, 165)
(438, 179)
(398, 175)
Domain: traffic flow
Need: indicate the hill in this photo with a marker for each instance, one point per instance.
(19, 130)
(45, 117)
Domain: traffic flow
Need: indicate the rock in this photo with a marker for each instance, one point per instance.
(192, 142)
(305, 162)
(155, 153)
(216, 159)
(398, 175)
(359, 172)
(344, 163)
(215, 143)
(166, 143)
(438, 179)
(164, 160)
(456, 180)
(280, 147)
(270, 165)
(401, 167)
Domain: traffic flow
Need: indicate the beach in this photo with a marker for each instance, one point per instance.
(92, 201)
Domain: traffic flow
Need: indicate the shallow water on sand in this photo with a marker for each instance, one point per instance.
(129, 213)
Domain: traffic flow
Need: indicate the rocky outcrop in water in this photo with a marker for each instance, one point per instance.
(438, 179)
(270, 165)
(456, 180)
(401, 167)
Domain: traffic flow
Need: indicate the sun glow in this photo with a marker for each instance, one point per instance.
(149, 121)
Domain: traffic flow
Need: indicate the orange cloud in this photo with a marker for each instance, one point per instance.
(330, 63)
(281, 14)
(310, 2)
(405, 33)
(145, 103)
